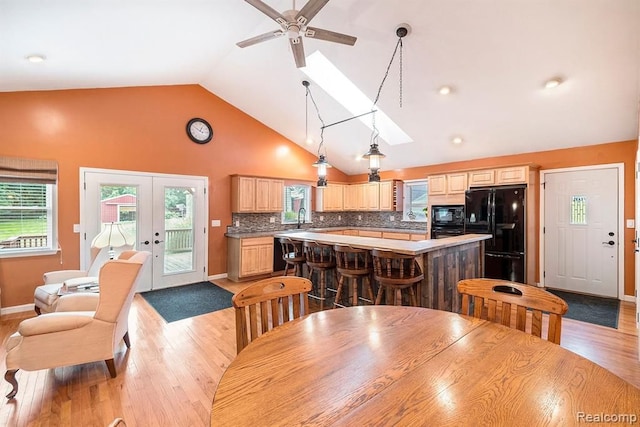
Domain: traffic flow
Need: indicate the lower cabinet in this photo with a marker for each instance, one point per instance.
(249, 257)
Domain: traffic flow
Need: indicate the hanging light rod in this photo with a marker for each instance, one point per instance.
(350, 118)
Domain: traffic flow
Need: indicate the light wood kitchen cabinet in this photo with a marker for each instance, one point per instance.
(249, 257)
(514, 175)
(396, 235)
(368, 233)
(330, 198)
(352, 194)
(457, 183)
(251, 194)
(453, 183)
(371, 196)
(418, 237)
(437, 185)
(390, 195)
(482, 178)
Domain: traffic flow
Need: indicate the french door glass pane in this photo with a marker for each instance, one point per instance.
(118, 219)
(178, 228)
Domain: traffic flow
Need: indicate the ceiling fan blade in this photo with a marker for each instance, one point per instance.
(261, 38)
(268, 10)
(310, 10)
(298, 51)
(330, 36)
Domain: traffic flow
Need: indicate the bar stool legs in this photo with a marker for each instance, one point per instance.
(353, 266)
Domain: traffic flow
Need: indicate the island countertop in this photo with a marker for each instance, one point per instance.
(398, 246)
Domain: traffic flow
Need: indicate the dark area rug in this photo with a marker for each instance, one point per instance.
(591, 309)
(185, 301)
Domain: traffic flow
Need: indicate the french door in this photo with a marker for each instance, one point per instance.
(163, 214)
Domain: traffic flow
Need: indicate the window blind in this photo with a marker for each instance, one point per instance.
(14, 169)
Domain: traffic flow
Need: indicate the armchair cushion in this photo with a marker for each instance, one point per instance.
(54, 322)
(82, 301)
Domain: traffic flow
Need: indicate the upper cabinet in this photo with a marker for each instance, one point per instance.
(368, 196)
(482, 178)
(251, 194)
(452, 183)
(330, 198)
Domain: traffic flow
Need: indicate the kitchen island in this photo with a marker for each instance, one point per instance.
(443, 261)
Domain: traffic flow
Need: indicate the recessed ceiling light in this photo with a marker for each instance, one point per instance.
(457, 140)
(554, 82)
(444, 90)
(309, 141)
(36, 58)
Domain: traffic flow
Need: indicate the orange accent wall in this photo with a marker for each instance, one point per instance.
(138, 129)
(614, 152)
(143, 129)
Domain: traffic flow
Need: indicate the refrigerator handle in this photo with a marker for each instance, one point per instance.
(492, 217)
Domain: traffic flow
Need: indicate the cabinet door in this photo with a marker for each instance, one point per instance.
(396, 236)
(482, 178)
(262, 194)
(371, 196)
(249, 260)
(332, 197)
(350, 198)
(276, 195)
(246, 194)
(515, 175)
(265, 258)
(386, 196)
(367, 233)
(437, 184)
(456, 183)
(361, 203)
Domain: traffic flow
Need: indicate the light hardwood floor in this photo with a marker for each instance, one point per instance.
(170, 374)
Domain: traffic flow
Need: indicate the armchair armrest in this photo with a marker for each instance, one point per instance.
(54, 322)
(62, 275)
(82, 301)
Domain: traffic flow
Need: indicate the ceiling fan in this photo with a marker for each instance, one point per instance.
(294, 23)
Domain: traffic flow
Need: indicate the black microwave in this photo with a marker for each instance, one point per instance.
(449, 215)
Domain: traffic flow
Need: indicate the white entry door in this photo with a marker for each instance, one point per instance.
(163, 214)
(581, 234)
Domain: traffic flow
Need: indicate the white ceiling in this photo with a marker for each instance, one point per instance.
(496, 54)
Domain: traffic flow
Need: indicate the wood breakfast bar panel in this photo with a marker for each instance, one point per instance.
(443, 261)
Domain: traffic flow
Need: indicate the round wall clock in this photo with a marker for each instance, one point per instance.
(199, 130)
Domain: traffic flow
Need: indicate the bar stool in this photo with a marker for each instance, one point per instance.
(395, 272)
(321, 258)
(293, 256)
(353, 264)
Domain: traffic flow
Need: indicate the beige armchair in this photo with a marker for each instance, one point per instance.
(71, 336)
(45, 297)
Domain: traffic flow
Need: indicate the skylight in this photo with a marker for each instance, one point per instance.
(330, 78)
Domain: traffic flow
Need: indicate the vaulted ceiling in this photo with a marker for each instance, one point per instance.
(496, 56)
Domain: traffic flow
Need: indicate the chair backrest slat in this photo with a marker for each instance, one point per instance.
(277, 299)
(529, 303)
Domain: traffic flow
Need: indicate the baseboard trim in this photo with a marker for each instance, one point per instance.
(218, 276)
(17, 309)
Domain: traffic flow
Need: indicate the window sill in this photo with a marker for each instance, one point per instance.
(19, 254)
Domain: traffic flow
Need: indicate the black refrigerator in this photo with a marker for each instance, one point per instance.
(499, 211)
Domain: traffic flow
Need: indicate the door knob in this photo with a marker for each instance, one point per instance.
(158, 241)
(146, 242)
(610, 243)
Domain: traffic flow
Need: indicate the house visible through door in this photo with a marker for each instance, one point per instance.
(163, 214)
(582, 231)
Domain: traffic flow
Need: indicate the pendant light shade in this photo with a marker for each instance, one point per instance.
(322, 166)
(373, 155)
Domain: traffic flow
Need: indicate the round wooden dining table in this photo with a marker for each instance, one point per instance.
(389, 365)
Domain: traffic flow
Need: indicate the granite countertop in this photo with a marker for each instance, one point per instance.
(321, 230)
(399, 246)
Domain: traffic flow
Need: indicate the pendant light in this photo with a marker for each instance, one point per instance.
(322, 164)
(374, 155)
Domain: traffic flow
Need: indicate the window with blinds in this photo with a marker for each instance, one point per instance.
(415, 201)
(27, 201)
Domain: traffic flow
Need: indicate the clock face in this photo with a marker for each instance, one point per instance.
(199, 130)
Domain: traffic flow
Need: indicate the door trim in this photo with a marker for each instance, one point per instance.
(620, 168)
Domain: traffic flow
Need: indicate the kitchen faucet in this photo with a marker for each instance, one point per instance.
(302, 211)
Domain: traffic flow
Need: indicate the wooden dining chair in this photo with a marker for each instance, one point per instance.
(268, 303)
(494, 300)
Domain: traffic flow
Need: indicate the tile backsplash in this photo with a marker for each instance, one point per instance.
(252, 223)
